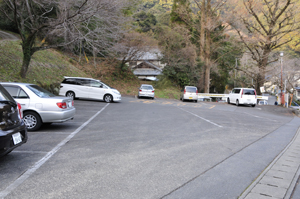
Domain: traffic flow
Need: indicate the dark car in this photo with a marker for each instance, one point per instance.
(13, 131)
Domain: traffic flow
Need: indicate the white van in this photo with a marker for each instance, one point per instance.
(80, 87)
(245, 96)
(189, 93)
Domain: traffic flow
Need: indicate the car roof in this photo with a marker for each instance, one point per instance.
(244, 88)
(79, 78)
(17, 83)
(191, 86)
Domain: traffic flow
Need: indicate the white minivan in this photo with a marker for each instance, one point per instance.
(245, 96)
(80, 87)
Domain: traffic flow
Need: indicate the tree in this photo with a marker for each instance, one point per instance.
(207, 29)
(180, 55)
(132, 47)
(266, 26)
(63, 22)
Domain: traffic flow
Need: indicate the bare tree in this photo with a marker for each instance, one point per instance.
(96, 22)
(268, 24)
(290, 75)
(133, 46)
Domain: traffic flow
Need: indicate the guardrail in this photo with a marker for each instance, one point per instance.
(205, 95)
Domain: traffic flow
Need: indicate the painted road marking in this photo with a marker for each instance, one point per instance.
(202, 118)
(42, 161)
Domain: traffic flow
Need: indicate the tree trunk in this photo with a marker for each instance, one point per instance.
(207, 48)
(202, 42)
(27, 53)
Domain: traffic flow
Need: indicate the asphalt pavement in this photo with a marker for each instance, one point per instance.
(152, 149)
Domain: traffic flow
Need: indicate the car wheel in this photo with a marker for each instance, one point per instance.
(108, 98)
(32, 121)
(70, 94)
(228, 100)
(253, 105)
(196, 101)
(182, 99)
(237, 103)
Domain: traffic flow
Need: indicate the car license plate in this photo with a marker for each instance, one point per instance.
(17, 138)
(190, 97)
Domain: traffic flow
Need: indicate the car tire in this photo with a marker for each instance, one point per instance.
(108, 98)
(182, 99)
(237, 103)
(32, 121)
(253, 105)
(70, 94)
(196, 101)
(228, 100)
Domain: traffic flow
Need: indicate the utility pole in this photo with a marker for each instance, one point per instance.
(282, 94)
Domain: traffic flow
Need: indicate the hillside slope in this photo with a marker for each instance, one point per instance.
(48, 68)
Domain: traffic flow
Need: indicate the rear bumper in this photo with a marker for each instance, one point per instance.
(6, 139)
(57, 116)
(145, 94)
(248, 102)
(190, 97)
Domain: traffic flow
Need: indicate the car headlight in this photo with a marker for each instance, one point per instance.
(116, 92)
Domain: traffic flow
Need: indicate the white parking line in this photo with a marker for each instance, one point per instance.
(260, 117)
(38, 164)
(202, 118)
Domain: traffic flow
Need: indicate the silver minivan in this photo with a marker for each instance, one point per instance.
(245, 96)
(88, 88)
(189, 93)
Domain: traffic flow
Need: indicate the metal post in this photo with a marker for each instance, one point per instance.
(282, 94)
(235, 71)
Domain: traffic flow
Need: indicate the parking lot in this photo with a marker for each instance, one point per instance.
(140, 148)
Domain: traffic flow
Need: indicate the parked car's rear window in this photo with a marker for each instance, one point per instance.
(191, 89)
(70, 81)
(248, 92)
(147, 87)
(43, 93)
(4, 95)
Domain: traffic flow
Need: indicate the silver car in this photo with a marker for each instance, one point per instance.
(146, 90)
(39, 105)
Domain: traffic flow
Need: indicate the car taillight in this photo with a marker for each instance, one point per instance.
(184, 91)
(62, 105)
(140, 90)
(152, 91)
(20, 112)
(242, 93)
(196, 91)
(255, 93)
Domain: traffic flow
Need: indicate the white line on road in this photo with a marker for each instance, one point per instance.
(38, 164)
(260, 117)
(202, 118)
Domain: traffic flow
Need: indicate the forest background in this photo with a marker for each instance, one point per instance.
(214, 45)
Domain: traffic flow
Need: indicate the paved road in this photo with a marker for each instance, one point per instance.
(141, 148)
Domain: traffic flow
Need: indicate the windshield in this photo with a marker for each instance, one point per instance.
(43, 93)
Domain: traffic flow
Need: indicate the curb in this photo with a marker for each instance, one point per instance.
(277, 180)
